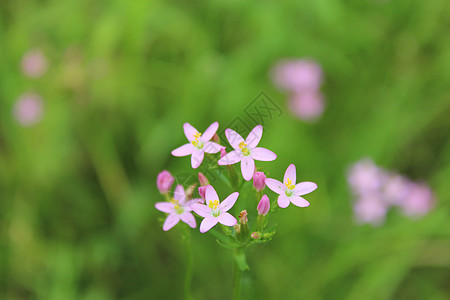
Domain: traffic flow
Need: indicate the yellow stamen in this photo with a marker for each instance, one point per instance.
(197, 137)
(244, 149)
(176, 204)
(213, 204)
(289, 184)
(242, 145)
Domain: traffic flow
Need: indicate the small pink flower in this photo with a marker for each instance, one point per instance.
(365, 177)
(395, 189)
(202, 179)
(289, 191)
(198, 144)
(164, 181)
(28, 109)
(246, 152)
(34, 63)
(419, 200)
(178, 209)
(298, 75)
(308, 105)
(259, 181)
(370, 209)
(215, 212)
(263, 205)
(202, 191)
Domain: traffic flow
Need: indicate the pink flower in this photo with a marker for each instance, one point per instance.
(202, 191)
(289, 191)
(164, 181)
(259, 181)
(223, 152)
(419, 200)
(308, 105)
(246, 152)
(28, 109)
(178, 209)
(365, 177)
(298, 75)
(215, 212)
(263, 205)
(370, 209)
(395, 189)
(256, 235)
(34, 63)
(198, 144)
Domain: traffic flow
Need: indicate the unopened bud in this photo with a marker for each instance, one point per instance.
(259, 181)
(243, 217)
(202, 191)
(222, 152)
(256, 235)
(164, 181)
(237, 228)
(202, 179)
(263, 205)
(215, 138)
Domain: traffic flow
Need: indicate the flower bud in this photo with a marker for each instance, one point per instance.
(202, 191)
(259, 181)
(256, 235)
(263, 205)
(215, 138)
(243, 217)
(164, 181)
(222, 152)
(202, 179)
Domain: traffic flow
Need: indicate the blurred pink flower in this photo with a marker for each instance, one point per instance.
(395, 189)
(419, 200)
(308, 105)
(365, 177)
(34, 64)
(297, 75)
(28, 109)
(370, 209)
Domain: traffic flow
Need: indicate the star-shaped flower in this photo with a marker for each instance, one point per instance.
(289, 191)
(198, 143)
(214, 211)
(246, 151)
(178, 209)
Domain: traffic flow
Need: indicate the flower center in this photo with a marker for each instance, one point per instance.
(214, 206)
(176, 205)
(289, 187)
(244, 149)
(196, 142)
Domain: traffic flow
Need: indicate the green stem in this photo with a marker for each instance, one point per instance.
(189, 269)
(237, 282)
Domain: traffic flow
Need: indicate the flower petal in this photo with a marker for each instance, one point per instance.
(283, 201)
(275, 185)
(227, 219)
(231, 158)
(211, 147)
(171, 221)
(290, 173)
(254, 137)
(299, 201)
(179, 194)
(247, 167)
(165, 207)
(228, 203)
(262, 154)
(233, 138)
(208, 223)
(201, 209)
(197, 158)
(209, 132)
(184, 150)
(304, 188)
(189, 131)
(189, 219)
(210, 194)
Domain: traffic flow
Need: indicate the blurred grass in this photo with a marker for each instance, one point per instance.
(77, 219)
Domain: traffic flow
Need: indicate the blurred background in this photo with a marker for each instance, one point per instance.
(93, 96)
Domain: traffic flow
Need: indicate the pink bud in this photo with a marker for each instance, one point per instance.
(259, 181)
(202, 179)
(164, 181)
(263, 205)
(202, 191)
(256, 235)
(222, 152)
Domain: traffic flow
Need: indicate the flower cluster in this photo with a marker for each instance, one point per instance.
(208, 206)
(376, 190)
(302, 78)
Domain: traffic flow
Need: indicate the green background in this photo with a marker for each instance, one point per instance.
(77, 216)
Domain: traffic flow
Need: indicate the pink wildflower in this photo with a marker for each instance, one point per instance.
(298, 75)
(308, 106)
(28, 109)
(34, 63)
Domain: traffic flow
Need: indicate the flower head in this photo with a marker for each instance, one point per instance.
(164, 181)
(28, 109)
(370, 209)
(178, 209)
(263, 205)
(214, 211)
(246, 151)
(198, 143)
(419, 200)
(34, 63)
(298, 75)
(289, 191)
(308, 105)
(259, 181)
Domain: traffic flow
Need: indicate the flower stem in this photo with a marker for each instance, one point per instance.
(237, 282)
(189, 264)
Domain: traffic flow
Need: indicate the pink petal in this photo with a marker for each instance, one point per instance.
(210, 194)
(290, 173)
(208, 223)
(247, 167)
(189, 219)
(209, 132)
(197, 158)
(299, 201)
(233, 138)
(304, 188)
(201, 209)
(275, 185)
(184, 150)
(227, 219)
(283, 201)
(262, 154)
(171, 221)
(228, 203)
(231, 158)
(165, 207)
(189, 131)
(211, 147)
(179, 194)
(254, 137)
